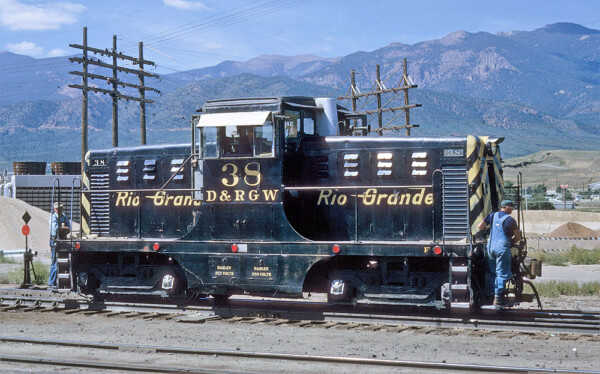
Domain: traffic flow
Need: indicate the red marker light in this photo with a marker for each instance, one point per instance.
(437, 250)
(234, 248)
(336, 249)
(77, 245)
(156, 247)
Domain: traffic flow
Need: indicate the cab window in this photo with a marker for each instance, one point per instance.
(209, 142)
(263, 143)
(236, 141)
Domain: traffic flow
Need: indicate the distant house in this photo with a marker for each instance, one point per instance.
(594, 186)
(563, 205)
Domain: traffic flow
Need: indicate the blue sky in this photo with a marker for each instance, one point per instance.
(185, 34)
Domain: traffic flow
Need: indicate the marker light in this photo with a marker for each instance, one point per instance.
(437, 250)
(156, 247)
(234, 248)
(336, 249)
(77, 245)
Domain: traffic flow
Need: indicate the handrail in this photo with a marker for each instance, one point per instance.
(55, 185)
(71, 215)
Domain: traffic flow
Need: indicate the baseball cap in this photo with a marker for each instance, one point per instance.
(506, 203)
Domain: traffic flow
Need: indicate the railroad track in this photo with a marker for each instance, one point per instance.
(247, 355)
(312, 313)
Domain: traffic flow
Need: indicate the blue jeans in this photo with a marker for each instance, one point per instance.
(53, 268)
(498, 262)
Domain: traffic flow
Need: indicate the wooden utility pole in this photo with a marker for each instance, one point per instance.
(406, 112)
(142, 92)
(115, 82)
(84, 102)
(115, 99)
(378, 90)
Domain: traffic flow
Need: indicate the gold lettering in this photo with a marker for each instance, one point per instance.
(239, 195)
(253, 195)
(225, 196)
(393, 199)
(261, 268)
(381, 197)
(324, 195)
(178, 201)
(429, 199)
(342, 200)
(211, 196)
(270, 195)
(252, 173)
(121, 196)
(223, 267)
(369, 196)
(405, 199)
(187, 201)
(234, 177)
(418, 198)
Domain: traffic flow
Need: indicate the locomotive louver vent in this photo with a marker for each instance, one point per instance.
(351, 165)
(149, 170)
(175, 165)
(455, 210)
(99, 205)
(322, 166)
(122, 171)
(384, 164)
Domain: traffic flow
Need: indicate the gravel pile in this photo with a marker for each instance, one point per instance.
(573, 230)
(11, 211)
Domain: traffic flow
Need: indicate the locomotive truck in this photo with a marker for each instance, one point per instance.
(287, 195)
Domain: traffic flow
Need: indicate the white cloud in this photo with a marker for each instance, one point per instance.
(31, 49)
(57, 52)
(51, 16)
(185, 4)
(25, 48)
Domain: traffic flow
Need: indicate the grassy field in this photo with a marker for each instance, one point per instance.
(15, 275)
(575, 256)
(552, 168)
(566, 288)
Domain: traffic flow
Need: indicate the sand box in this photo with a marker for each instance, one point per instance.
(573, 230)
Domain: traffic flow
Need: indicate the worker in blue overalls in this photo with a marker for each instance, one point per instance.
(503, 233)
(60, 226)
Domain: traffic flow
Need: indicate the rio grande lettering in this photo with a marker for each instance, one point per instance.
(414, 196)
(160, 198)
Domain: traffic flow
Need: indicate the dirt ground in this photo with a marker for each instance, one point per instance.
(450, 346)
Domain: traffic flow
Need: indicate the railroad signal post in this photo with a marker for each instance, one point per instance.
(28, 255)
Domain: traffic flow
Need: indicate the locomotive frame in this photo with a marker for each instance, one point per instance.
(278, 196)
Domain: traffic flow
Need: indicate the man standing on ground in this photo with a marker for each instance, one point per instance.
(59, 229)
(503, 233)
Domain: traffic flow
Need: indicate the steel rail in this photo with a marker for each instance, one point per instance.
(295, 357)
(577, 322)
(94, 365)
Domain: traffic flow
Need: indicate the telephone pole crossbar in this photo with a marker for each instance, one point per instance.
(114, 82)
(378, 90)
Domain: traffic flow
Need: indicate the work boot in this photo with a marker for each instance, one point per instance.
(500, 301)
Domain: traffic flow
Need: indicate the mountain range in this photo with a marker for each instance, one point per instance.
(540, 89)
